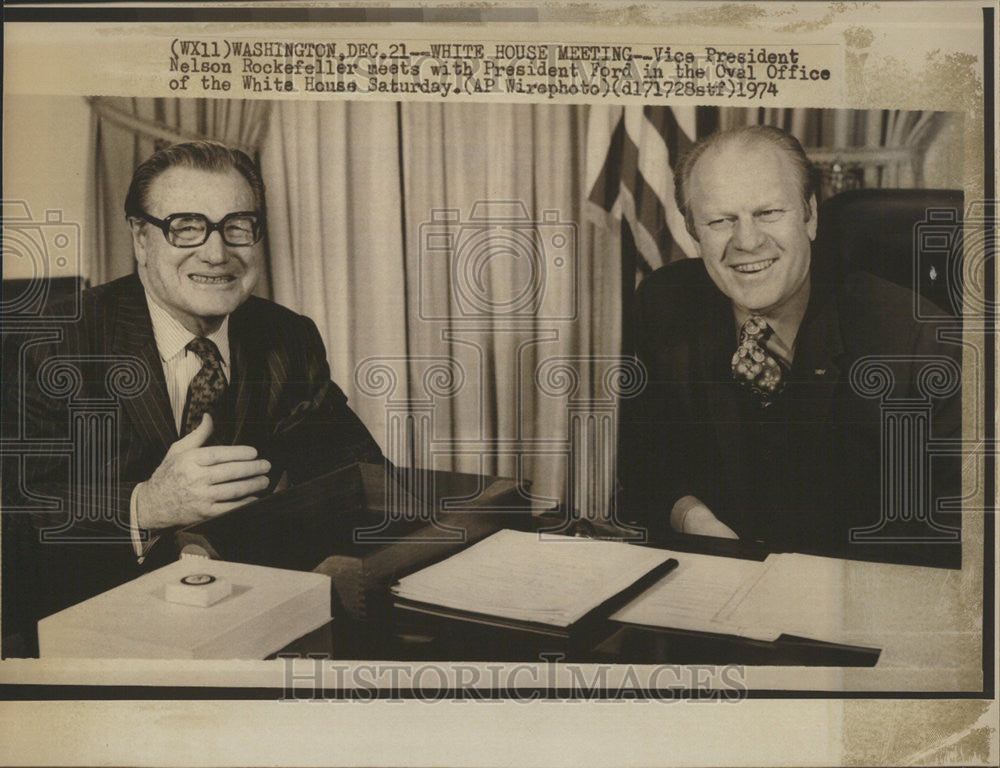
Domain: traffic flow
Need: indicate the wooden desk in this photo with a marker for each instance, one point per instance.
(875, 613)
(927, 625)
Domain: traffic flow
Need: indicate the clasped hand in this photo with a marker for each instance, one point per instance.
(195, 482)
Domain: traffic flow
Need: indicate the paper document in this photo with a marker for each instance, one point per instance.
(845, 601)
(901, 608)
(555, 580)
(801, 594)
(697, 595)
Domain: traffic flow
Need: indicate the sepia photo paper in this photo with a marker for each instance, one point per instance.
(471, 210)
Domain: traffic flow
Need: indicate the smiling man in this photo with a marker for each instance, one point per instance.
(749, 427)
(234, 391)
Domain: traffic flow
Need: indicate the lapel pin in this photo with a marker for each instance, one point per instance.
(820, 371)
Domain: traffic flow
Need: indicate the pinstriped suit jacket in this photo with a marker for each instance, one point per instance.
(282, 403)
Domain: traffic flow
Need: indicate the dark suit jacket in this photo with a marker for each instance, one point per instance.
(804, 472)
(280, 400)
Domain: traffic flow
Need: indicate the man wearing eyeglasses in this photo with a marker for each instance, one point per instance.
(239, 391)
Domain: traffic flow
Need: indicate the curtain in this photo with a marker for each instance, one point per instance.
(470, 307)
(128, 130)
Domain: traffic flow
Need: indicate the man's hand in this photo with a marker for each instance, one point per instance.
(689, 515)
(195, 482)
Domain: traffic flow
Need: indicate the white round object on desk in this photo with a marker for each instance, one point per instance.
(201, 589)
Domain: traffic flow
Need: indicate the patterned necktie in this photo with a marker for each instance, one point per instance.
(208, 385)
(756, 368)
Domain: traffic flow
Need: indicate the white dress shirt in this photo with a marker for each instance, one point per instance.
(784, 322)
(179, 366)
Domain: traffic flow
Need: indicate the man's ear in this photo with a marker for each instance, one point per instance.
(813, 219)
(139, 234)
(695, 242)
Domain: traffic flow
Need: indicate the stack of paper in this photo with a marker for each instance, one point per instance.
(267, 609)
(844, 601)
(551, 580)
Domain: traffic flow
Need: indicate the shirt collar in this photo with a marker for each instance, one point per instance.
(785, 323)
(172, 337)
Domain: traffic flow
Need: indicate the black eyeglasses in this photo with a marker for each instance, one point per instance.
(189, 230)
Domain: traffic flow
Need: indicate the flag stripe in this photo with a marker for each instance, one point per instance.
(636, 173)
(605, 190)
(666, 125)
(648, 211)
(706, 121)
(649, 249)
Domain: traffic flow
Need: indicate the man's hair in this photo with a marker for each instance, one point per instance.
(747, 136)
(203, 155)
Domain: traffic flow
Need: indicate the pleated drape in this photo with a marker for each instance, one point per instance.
(362, 197)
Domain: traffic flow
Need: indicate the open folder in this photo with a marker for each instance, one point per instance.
(530, 580)
(826, 600)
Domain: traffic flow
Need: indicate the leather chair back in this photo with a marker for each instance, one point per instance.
(912, 237)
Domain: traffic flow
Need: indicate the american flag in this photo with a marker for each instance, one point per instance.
(631, 152)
